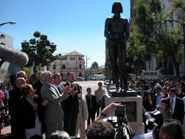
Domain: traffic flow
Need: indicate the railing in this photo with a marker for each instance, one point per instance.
(151, 74)
(73, 69)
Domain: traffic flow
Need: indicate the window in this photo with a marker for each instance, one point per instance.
(63, 67)
(80, 66)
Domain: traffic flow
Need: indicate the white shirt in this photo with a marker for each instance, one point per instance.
(184, 103)
(174, 101)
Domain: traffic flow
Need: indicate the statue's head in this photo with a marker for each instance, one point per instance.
(117, 7)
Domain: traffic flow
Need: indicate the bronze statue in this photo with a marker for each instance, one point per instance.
(117, 33)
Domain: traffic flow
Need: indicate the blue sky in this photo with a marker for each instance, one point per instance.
(73, 25)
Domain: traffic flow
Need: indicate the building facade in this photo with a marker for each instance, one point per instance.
(72, 62)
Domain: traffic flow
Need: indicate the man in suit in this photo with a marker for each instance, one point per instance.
(53, 112)
(15, 110)
(92, 105)
(165, 109)
(179, 94)
(176, 105)
(71, 105)
(152, 88)
(158, 97)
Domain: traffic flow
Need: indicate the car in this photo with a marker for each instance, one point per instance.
(80, 79)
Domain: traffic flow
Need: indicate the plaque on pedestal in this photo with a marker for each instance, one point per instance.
(128, 93)
(133, 109)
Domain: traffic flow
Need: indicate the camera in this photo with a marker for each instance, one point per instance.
(156, 122)
(4, 118)
(120, 125)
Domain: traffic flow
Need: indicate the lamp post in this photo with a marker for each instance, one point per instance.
(184, 45)
(54, 66)
(10, 22)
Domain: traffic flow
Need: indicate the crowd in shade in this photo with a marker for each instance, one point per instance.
(53, 108)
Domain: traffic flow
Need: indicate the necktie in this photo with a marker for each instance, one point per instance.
(90, 100)
(171, 105)
(59, 90)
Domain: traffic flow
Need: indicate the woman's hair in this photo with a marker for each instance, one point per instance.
(164, 100)
(148, 93)
(25, 89)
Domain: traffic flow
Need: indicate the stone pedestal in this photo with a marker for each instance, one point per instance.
(133, 110)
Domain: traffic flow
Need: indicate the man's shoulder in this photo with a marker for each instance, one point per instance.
(15, 89)
(45, 85)
(179, 99)
(37, 83)
(76, 84)
(96, 90)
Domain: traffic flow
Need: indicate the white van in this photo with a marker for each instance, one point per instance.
(97, 77)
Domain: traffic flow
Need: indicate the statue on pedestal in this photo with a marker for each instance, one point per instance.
(117, 33)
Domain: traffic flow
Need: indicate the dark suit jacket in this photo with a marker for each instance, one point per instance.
(72, 103)
(15, 111)
(38, 86)
(181, 95)
(28, 114)
(166, 113)
(179, 109)
(15, 103)
(92, 107)
(148, 106)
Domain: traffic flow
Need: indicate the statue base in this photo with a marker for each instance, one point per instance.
(130, 93)
(133, 104)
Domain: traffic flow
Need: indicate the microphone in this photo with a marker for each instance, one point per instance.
(13, 56)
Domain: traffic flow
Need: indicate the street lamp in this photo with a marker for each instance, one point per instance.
(10, 22)
(184, 44)
(54, 66)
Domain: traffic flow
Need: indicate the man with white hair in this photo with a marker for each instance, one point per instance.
(53, 113)
(21, 74)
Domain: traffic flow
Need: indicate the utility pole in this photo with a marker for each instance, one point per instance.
(86, 64)
(87, 61)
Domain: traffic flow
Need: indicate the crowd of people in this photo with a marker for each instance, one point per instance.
(47, 105)
(166, 96)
